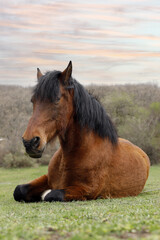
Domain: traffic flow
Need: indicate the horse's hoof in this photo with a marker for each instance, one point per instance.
(20, 192)
(55, 195)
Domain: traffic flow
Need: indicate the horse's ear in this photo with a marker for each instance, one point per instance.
(66, 74)
(39, 74)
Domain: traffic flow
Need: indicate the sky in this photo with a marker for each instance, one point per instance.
(109, 42)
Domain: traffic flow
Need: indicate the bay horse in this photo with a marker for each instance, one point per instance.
(92, 162)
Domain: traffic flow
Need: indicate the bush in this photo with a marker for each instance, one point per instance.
(15, 160)
(138, 124)
(119, 107)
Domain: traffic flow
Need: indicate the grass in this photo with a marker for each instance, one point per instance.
(125, 218)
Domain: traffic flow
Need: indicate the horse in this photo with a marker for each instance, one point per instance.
(92, 161)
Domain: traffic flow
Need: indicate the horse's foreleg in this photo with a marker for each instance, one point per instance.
(68, 194)
(31, 192)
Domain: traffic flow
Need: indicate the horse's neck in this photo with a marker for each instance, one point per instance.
(75, 138)
(79, 143)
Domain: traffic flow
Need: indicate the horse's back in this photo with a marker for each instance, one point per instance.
(133, 148)
(129, 170)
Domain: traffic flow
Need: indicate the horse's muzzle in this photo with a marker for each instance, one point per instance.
(31, 147)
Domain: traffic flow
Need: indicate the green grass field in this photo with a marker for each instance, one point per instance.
(125, 218)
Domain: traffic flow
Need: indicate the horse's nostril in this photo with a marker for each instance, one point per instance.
(32, 144)
(36, 141)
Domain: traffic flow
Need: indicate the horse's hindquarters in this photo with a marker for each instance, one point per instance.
(129, 171)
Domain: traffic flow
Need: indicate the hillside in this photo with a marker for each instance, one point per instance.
(134, 109)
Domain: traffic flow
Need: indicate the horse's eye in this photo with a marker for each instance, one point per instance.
(32, 99)
(57, 101)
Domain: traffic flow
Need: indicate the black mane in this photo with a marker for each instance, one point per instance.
(48, 87)
(88, 110)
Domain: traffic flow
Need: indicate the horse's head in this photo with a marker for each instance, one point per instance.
(52, 109)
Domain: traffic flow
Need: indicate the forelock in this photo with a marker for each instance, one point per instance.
(48, 87)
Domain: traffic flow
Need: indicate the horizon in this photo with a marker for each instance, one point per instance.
(109, 44)
(89, 84)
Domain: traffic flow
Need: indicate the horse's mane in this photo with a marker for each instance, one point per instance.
(88, 110)
(48, 87)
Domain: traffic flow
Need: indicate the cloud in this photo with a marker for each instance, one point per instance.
(96, 36)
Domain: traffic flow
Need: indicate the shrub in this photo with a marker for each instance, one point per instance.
(119, 107)
(17, 160)
(138, 124)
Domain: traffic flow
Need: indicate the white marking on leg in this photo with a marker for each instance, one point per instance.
(45, 193)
